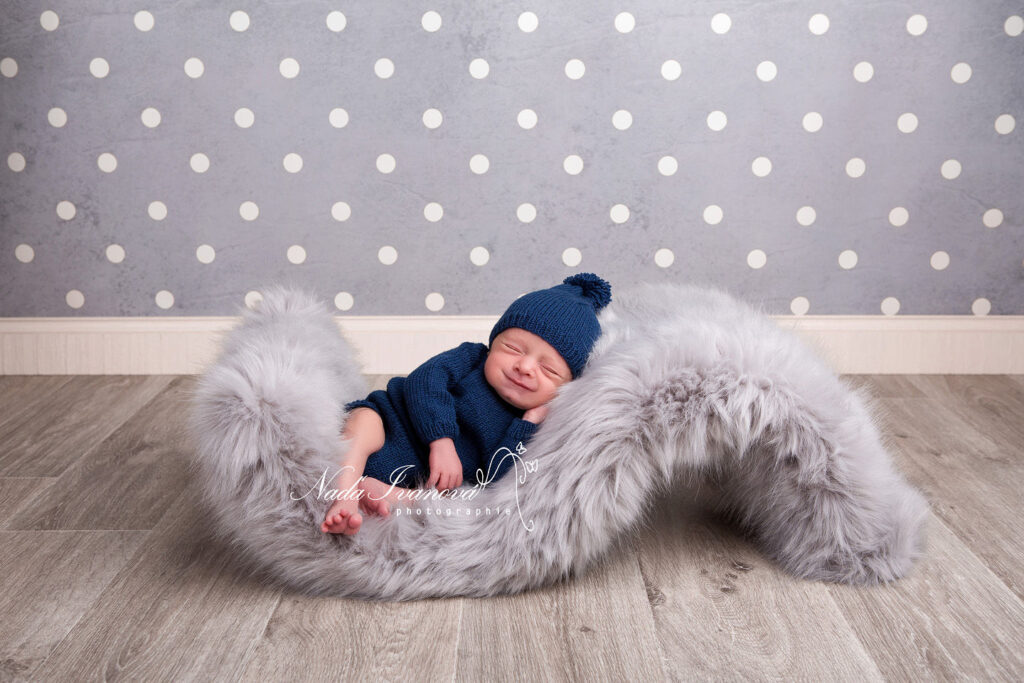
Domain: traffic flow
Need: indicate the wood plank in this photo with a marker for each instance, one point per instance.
(597, 626)
(19, 492)
(143, 466)
(180, 609)
(993, 404)
(949, 619)
(345, 639)
(50, 578)
(26, 395)
(885, 386)
(724, 611)
(82, 414)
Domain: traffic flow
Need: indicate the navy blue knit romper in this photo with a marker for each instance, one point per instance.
(448, 395)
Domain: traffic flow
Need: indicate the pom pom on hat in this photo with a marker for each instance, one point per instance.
(564, 316)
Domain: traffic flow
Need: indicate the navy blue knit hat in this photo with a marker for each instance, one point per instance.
(564, 316)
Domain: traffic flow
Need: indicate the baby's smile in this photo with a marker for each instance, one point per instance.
(525, 370)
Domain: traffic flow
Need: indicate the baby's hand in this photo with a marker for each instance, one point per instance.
(445, 466)
(536, 415)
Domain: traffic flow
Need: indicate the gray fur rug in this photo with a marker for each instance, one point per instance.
(683, 381)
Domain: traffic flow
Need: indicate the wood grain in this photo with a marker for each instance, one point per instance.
(19, 492)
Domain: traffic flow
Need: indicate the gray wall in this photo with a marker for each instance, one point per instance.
(956, 246)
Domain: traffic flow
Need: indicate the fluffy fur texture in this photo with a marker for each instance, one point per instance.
(683, 380)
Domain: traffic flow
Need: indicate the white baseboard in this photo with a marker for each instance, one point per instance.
(394, 345)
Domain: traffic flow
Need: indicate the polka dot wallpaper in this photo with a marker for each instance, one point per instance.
(172, 158)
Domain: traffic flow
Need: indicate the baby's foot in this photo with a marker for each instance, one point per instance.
(376, 498)
(342, 518)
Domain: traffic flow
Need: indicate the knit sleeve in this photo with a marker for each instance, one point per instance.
(427, 390)
(520, 431)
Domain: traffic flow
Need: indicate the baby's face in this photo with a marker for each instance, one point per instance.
(524, 369)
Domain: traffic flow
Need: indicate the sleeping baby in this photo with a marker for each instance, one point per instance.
(457, 413)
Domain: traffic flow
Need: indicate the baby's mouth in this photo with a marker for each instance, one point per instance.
(518, 384)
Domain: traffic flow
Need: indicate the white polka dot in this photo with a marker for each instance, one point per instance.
(157, 210)
(479, 68)
(806, 215)
(150, 117)
(199, 162)
(981, 306)
(575, 69)
(528, 22)
(890, 305)
(296, 254)
(8, 67)
(767, 71)
(289, 67)
(818, 24)
(57, 117)
(434, 301)
(431, 21)
(387, 255)
(717, 120)
(526, 213)
(907, 123)
(194, 67)
(341, 211)
(99, 67)
(432, 118)
(950, 169)
(812, 122)
(1005, 124)
(253, 298)
(338, 117)
(527, 119)
(479, 164)
(800, 305)
(622, 119)
(164, 299)
(386, 163)
(663, 258)
(863, 72)
(74, 299)
(992, 218)
(898, 217)
(573, 164)
(855, 167)
(343, 301)
(66, 210)
(713, 214)
(1013, 25)
(244, 117)
(668, 165)
(239, 21)
(205, 253)
(479, 256)
(624, 22)
(249, 211)
(115, 253)
(107, 162)
(917, 24)
(144, 21)
(761, 166)
(961, 72)
(619, 213)
(16, 162)
(940, 260)
(49, 20)
(336, 21)
(847, 259)
(721, 23)
(433, 212)
(384, 68)
(572, 257)
(756, 259)
(292, 162)
(24, 253)
(671, 70)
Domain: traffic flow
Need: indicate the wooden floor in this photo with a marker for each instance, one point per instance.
(106, 571)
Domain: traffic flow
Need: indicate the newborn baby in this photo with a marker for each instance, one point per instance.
(457, 413)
